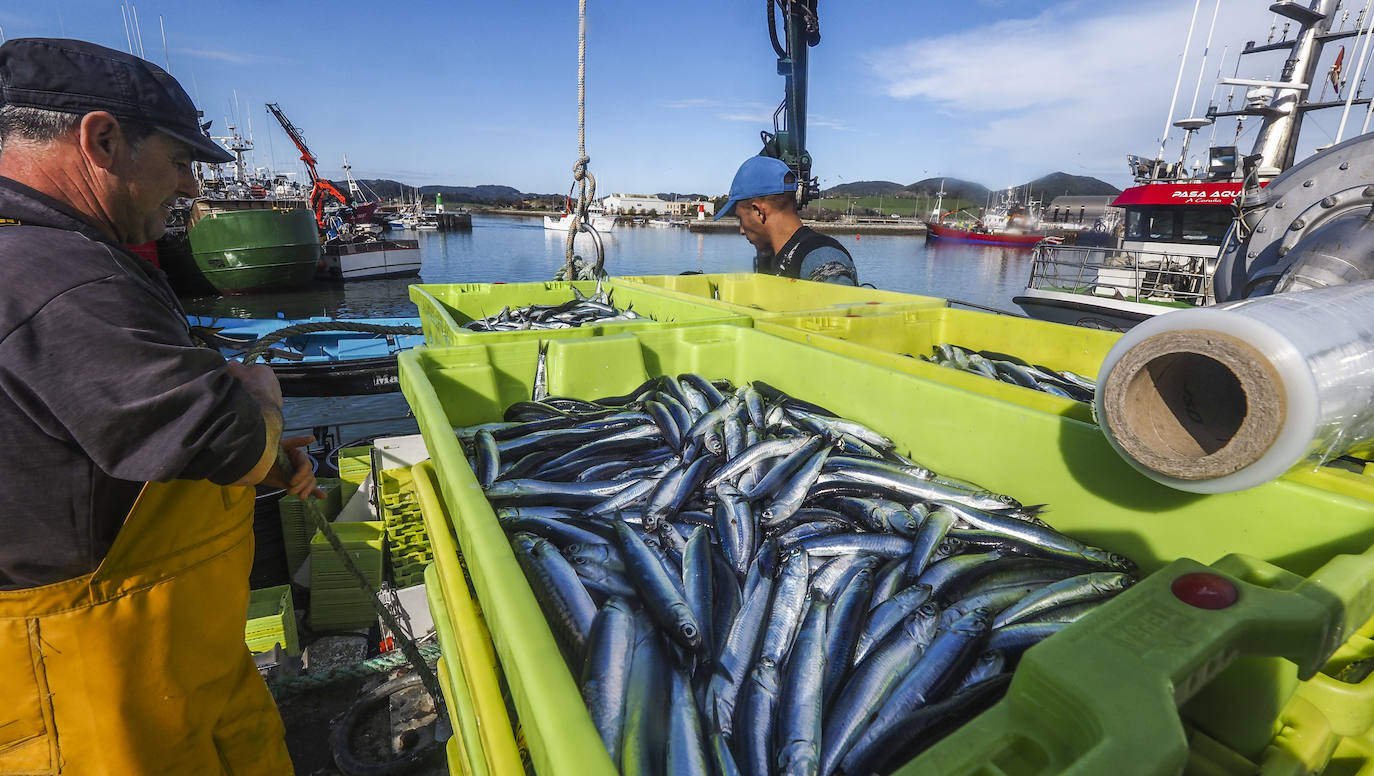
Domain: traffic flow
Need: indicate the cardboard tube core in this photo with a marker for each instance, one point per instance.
(1194, 404)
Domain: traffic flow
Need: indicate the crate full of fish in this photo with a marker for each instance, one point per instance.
(1046, 366)
(763, 297)
(879, 464)
(462, 313)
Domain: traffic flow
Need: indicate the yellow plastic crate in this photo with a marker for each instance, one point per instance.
(470, 652)
(1101, 696)
(271, 621)
(896, 340)
(762, 297)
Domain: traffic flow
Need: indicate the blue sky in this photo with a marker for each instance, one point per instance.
(466, 93)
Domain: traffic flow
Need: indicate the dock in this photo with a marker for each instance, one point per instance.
(859, 226)
(454, 222)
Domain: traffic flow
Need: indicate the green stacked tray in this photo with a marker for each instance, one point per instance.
(271, 621)
(761, 297)
(407, 542)
(355, 463)
(336, 600)
(297, 527)
(444, 308)
(1112, 693)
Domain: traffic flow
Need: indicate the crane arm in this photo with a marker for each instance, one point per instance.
(321, 190)
(801, 30)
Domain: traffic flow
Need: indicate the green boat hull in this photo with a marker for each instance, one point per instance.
(243, 251)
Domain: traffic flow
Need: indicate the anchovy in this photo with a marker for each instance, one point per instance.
(887, 616)
(698, 581)
(927, 542)
(686, 743)
(644, 741)
(560, 593)
(606, 674)
(799, 716)
(1075, 590)
(846, 614)
(871, 683)
(656, 588)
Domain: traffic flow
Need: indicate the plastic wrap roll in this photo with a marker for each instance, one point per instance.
(1225, 398)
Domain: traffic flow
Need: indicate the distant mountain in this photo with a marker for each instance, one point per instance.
(1060, 184)
(865, 189)
(486, 194)
(954, 189)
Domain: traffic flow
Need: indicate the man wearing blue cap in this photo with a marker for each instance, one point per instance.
(763, 197)
(126, 526)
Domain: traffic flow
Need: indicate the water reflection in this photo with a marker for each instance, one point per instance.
(519, 249)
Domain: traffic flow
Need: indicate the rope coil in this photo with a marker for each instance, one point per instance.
(262, 344)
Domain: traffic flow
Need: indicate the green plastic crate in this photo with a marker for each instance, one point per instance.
(297, 527)
(271, 621)
(407, 542)
(336, 600)
(1101, 696)
(355, 464)
(762, 297)
(445, 307)
(895, 340)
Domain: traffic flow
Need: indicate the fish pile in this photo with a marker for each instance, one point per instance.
(745, 583)
(578, 311)
(1010, 369)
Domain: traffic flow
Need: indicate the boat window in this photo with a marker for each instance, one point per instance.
(1160, 225)
(1135, 220)
(1206, 224)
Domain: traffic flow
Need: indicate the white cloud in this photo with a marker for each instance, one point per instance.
(234, 57)
(1072, 88)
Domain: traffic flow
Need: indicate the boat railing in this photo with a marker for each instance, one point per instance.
(1118, 273)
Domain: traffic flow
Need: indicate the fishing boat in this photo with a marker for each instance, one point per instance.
(244, 234)
(316, 356)
(363, 256)
(1010, 222)
(600, 221)
(1178, 218)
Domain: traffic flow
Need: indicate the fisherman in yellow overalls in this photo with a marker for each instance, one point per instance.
(126, 453)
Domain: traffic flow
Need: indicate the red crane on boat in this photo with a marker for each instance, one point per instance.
(320, 189)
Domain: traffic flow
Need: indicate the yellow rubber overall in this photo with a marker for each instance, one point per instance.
(140, 667)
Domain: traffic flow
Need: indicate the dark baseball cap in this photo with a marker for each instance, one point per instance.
(73, 76)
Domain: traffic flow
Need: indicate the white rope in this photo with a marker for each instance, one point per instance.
(580, 173)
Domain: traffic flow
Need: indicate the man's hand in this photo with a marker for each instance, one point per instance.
(300, 481)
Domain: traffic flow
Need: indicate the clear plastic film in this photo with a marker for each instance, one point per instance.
(1225, 398)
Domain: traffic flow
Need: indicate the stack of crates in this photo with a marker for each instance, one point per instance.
(336, 600)
(297, 527)
(355, 463)
(405, 527)
(271, 621)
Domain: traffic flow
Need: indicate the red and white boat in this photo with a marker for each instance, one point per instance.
(1009, 223)
(1177, 220)
(975, 235)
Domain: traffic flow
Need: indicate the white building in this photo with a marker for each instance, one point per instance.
(643, 204)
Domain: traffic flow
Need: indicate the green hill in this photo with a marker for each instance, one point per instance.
(1061, 184)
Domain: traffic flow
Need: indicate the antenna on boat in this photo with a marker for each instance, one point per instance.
(138, 30)
(1364, 34)
(128, 39)
(1187, 45)
(167, 60)
(1202, 68)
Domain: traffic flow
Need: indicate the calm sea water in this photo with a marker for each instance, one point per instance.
(519, 249)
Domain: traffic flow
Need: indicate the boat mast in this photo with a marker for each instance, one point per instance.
(1276, 142)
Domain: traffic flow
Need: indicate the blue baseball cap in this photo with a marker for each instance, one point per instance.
(759, 176)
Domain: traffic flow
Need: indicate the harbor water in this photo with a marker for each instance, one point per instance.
(519, 249)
